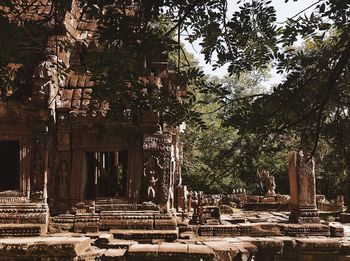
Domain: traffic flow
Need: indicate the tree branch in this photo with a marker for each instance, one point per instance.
(333, 77)
(302, 11)
(187, 11)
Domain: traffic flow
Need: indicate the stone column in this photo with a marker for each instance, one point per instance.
(158, 146)
(302, 189)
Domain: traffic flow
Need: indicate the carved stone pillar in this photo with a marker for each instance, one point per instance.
(159, 146)
(302, 189)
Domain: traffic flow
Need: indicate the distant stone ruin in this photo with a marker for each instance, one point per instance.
(267, 181)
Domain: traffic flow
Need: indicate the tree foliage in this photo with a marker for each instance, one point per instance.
(130, 31)
(220, 159)
(311, 105)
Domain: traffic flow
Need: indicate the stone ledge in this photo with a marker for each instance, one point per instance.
(114, 255)
(145, 235)
(266, 230)
(318, 245)
(144, 250)
(265, 244)
(229, 248)
(305, 230)
(44, 246)
(173, 249)
(22, 230)
(170, 251)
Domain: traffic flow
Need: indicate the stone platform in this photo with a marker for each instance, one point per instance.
(82, 248)
(19, 216)
(43, 248)
(106, 220)
(259, 236)
(140, 222)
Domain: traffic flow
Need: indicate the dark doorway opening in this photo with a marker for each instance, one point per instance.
(106, 174)
(10, 165)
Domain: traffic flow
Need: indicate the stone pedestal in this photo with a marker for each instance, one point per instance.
(302, 189)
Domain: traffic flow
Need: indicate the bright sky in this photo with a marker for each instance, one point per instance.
(284, 10)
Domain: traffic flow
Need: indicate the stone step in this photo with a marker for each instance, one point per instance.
(144, 220)
(104, 239)
(111, 206)
(43, 248)
(120, 244)
(127, 223)
(111, 201)
(114, 254)
(265, 229)
(103, 254)
(107, 241)
(63, 218)
(172, 252)
(136, 213)
(23, 208)
(106, 220)
(145, 236)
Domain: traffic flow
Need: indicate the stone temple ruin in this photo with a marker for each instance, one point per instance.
(60, 154)
(75, 185)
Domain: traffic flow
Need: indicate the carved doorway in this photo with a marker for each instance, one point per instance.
(107, 174)
(9, 165)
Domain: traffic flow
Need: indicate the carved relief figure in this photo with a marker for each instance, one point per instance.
(267, 181)
(45, 83)
(37, 173)
(195, 201)
(63, 184)
(152, 170)
(178, 177)
(151, 192)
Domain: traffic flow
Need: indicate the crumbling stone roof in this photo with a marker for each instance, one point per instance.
(75, 96)
(87, 25)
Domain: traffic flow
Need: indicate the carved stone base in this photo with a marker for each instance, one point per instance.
(304, 215)
(205, 231)
(119, 220)
(164, 222)
(86, 223)
(21, 230)
(136, 220)
(21, 217)
(61, 223)
(302, 230)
